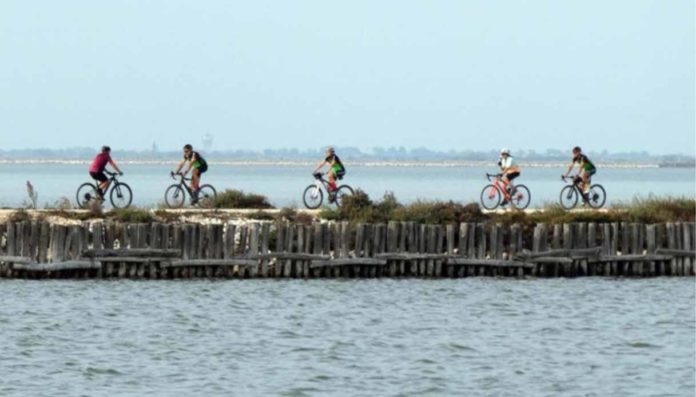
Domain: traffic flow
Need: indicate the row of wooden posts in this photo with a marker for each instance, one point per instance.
(36, 249)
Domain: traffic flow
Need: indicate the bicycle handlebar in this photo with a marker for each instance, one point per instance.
(175, 174)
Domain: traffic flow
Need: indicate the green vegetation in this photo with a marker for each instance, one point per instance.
(237, 199)
(131, 215)
(360, 208)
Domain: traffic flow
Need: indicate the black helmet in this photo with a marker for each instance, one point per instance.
(106, 149)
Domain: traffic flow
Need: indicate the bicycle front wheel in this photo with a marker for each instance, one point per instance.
(341, 193)
(121, 196)
(86, 195)
(520, 197)
(313, 197)
(597, 196)
(174, 196)
(569, 197)
(206, 196)
(490, 197)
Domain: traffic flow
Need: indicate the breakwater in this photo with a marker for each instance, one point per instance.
(39, 249)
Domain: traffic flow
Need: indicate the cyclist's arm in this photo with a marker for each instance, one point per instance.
(570, 168)
(181, 165)
(320, 166)
(113, 164)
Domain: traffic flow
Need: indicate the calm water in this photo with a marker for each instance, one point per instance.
(491, 337)
(284, 184)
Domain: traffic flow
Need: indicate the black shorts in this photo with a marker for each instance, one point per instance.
(340, 174)
(99, 176)
(512, 175)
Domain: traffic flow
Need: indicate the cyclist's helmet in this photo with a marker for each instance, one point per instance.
(577, 149)
(331, 149)
(105, 149)
(505, 151)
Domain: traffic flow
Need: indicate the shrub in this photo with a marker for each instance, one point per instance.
(132, 215)
(236, 199)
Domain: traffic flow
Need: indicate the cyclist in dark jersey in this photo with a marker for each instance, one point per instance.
(336, 168)
(196, 164)
(587, 169)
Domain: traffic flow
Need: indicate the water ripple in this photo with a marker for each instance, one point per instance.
(588, 337)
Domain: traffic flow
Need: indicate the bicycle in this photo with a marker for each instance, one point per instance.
(595, 198)
(491, 195)
(121, 195)
(175, 195)
(313, 196)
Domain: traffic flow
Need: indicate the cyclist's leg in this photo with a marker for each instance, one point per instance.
(505, 180)
(585, 181)
(195, 179)
(332, 179)
(102, 182)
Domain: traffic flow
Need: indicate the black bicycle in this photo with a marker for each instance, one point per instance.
(595, 198)
(313, 196)
(121, 195)
(175, 195)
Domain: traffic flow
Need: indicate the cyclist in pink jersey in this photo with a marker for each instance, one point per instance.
(96, 170)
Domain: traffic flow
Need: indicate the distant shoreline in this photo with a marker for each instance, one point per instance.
(363, 163)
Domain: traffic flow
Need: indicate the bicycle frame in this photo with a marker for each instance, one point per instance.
(499, 184)
(320, 182)
(182, 182)
(576, 185)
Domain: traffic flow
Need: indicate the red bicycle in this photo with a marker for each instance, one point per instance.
(496, 194)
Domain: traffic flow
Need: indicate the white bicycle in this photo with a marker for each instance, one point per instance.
(314, 194)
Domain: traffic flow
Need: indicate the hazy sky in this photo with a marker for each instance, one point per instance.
(442, 74)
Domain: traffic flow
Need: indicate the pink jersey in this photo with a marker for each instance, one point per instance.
(100, 162)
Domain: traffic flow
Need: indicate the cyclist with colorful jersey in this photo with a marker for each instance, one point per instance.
(509, 171)
(587, 169)
(96, 170)
(197, 165)
(336, 168)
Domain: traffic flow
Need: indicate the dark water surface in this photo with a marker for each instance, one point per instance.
(490, 337)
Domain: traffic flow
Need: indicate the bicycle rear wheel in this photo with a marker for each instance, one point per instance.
(174, 196)
(342, 192)
(490, 197)
(597, 196)
(206, 196)
(121, 196)
(520, 197)
(569, 197)
(313, 197)
(86, 195)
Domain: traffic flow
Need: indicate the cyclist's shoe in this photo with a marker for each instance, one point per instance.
(100, 195)
(332, 198)
(505, 202)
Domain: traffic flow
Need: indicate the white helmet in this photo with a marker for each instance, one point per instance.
(505, 151)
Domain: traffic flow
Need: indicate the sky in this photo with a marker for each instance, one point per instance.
(615, 75)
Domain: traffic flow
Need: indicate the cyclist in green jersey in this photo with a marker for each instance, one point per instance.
(587, 169)
(336, 168)
(196, 164)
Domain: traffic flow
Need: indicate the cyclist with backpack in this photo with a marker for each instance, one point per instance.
(336, 168)
(587, 169)
(197, 165)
